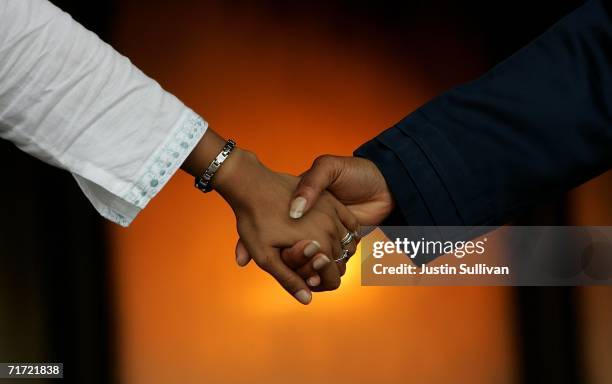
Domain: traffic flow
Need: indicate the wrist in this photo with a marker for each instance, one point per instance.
(234, 180)
(203, 154)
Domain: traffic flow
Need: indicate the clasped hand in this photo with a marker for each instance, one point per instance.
(293, 227)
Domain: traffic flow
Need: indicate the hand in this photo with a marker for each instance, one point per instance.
(259, 198)
(355, 182)
(317, 275)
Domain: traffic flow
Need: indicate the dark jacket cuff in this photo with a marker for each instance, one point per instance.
(424, 173)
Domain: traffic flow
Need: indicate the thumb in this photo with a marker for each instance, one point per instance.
(321, 175)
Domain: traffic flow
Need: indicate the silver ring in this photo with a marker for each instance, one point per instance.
(345, 255)
(346, 240)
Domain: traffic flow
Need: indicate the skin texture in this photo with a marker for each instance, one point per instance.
(355, 182)
(260, 198)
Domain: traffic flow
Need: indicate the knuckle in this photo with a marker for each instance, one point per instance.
(291, 282)
(265, 263)
(289, 255)
(306, 273)
(322, 160)
(307, 269)
(307, 187)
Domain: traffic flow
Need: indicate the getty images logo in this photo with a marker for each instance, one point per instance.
(428, 247)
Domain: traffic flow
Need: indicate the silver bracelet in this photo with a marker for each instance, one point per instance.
(203, 182)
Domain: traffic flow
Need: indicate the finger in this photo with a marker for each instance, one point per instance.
(342, 264)
(300, 253)
(348, 220)
(323, 266)
(271, 262)
(306, 271)
(322, 274)
(330, 277)
(298, 258)
(310, 274)
(341, 267)
(330, 274)
(242, 254)
(321, 175)
(351, 247)
(313, 281)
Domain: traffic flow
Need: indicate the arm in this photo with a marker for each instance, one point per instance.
(536, 124)
(71, 100)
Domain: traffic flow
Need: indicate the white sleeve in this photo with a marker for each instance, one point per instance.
(71, 100)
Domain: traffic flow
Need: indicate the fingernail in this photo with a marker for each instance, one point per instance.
(311, 249)
(320, 262)
(313, 281)
(297, 207)
(303, 296)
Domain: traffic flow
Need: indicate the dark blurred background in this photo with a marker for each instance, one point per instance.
(146, 304)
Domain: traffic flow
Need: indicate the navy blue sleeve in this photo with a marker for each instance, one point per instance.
(537, 124)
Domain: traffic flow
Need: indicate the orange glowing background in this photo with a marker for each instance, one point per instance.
(288, 89)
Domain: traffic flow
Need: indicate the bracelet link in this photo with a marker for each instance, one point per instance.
(203, 182)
